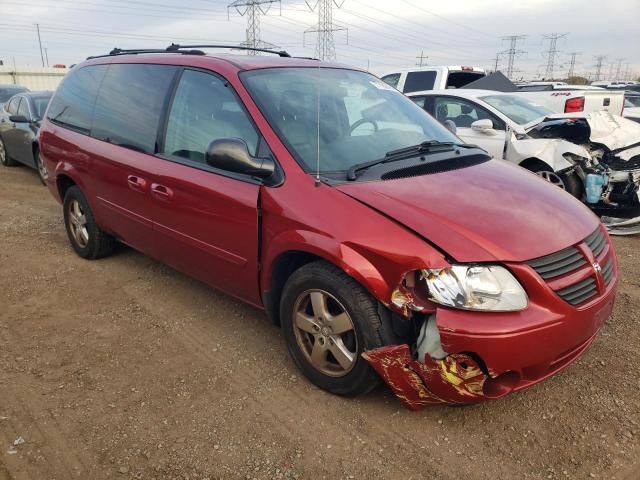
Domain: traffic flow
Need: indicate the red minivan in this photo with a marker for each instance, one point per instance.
(383, 246)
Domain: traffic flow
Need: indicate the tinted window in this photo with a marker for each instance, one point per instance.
(130, 103)
(23, 109)
(392, 79)
(463, 112)
(205, 109)
(12, 106)
(72, 105)
(418, 81)
(40, 106)
(460, 79)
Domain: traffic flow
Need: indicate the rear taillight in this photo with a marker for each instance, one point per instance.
(574, 105)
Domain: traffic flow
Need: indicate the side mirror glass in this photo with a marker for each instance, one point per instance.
(232, 155)
(449, 125)
(18, 119)
(484, 126)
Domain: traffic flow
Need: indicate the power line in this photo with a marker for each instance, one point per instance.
(552, 53)
(253, 9)
(512, 52)
(325, 28)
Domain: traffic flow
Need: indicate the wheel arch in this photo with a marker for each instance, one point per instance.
(534, 164)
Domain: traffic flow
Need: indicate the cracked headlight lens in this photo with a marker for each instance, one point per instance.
(485, 288)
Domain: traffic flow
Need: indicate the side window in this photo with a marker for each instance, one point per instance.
(205, 109)
(129, 105)
(72, 105)
(391, 79)
(23, 109)
(463, 112)
(418, 101)
(12, 107)
(419, 81)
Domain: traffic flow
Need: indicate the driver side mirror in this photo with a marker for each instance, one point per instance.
(232, 155)
(483, 126)
(18, 119)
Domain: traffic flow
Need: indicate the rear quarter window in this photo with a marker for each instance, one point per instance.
(419, 81)
(72, 105)
(130, 104)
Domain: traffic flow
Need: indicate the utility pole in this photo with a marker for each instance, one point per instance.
(253, 9)
(599, 62)
(325, 28)
(40, 43)
(46, 55)
(512, 52)
(552, 53)
(422, 59)
(572, 64)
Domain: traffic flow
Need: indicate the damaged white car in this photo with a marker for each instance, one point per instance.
(595, 156)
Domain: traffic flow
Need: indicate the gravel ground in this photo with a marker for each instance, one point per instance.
(123, 368)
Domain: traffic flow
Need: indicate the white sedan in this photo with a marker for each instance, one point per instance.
(595, 156)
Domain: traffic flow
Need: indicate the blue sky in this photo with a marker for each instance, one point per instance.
(382, 34)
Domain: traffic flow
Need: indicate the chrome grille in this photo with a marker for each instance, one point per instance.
(579, 292)
(556, 264)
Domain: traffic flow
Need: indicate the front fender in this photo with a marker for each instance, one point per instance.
(550, 151)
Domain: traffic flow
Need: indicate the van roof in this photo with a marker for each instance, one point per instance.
(240, 62)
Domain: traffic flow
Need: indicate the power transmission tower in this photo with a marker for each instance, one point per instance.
(618, 68)
(552, 53)
(572, 64)
(496, 62)
(422, 59)
(253, 9)
(325, 28)
(512, 52)
(599, 62)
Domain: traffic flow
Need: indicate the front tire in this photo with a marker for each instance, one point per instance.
(570, 182)
(5, 159)
(328, 321)
(85, 236)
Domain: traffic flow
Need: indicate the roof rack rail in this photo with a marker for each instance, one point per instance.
(174, 47)
(186, 50)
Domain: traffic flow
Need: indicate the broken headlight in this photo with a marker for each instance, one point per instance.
(487, 288)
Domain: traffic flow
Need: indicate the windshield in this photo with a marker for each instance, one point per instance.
(517, 109)
(40, 105)
(360, 118)
(7, 93)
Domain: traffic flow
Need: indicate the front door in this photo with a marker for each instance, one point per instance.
(463, 113)
(206, 220)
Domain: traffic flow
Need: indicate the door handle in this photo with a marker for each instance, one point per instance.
(137, 183)
(162, 192)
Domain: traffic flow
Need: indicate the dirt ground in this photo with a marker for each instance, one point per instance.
(123, 368)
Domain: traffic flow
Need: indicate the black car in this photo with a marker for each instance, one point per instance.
(19, 123)
(8, 91)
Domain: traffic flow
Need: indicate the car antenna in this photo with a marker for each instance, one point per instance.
(318, 119)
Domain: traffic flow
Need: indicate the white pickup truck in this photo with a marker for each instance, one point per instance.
(556, 96)
(419, 79)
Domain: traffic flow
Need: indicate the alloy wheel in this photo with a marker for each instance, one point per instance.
(42, 169)
(325, 333)
(552, 178)
(3, 153)
(78, 224)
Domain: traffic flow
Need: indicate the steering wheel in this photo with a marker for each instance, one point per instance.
(362, 121)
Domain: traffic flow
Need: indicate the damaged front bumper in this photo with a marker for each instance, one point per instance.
(479, 356)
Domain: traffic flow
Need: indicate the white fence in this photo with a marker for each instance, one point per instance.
(34, 78)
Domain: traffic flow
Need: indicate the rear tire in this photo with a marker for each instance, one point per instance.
(323, 311)
(5, 159)
(85, 236)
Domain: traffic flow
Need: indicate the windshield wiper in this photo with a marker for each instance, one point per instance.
(429, 146)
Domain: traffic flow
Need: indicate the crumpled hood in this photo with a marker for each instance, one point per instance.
(494, 211)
